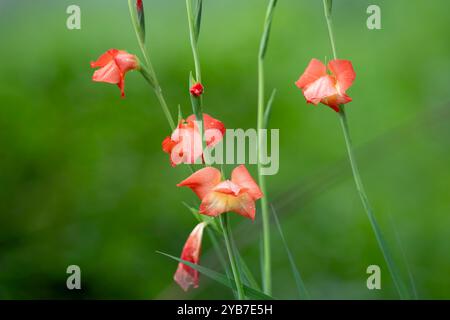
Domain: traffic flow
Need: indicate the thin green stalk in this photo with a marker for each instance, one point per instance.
(194, 30)
(327, 11)
(228, 243)
(365, 201)
(154, 83)
(403, 292)
(266, 272)
(193, 35)
(197, 106)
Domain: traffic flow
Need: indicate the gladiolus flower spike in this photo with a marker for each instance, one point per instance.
(330, 89)
(236, 195)
(114, 64)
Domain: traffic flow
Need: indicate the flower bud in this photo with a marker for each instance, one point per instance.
(196, 90)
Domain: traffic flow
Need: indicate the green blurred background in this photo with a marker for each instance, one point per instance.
(83, 179)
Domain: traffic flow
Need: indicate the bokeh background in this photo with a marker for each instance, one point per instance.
(83, 179)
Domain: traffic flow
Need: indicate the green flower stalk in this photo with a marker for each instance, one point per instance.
(266, 272)
(196, 90)
(194, 21)
(147, 70)
(403, 292)
(224, 222)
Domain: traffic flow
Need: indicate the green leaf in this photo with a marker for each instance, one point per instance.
(180, 114)
(245, 270)
(267, 26)
(328, 6)
(211, 221)
(227, 236)
(220, 278)
(302, 292)
(147, 76)
(198, 18)
(192, 80)
(268, 111)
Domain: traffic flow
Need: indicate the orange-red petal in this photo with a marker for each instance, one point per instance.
(104, 59)
(218, 202)
(315, 70)
(336, 100)
(320, 89)
(186, 276)
(210, 124)
(202, 181)
(113, 66)
(168, 144)
(243, 179)
(126, 61)
(344, 73)
(109, 73)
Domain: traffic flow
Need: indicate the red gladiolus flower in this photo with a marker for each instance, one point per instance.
(186, 276)
(114, 64)
(236, 195)
(185, 143)
(319, 86)
(196, 90)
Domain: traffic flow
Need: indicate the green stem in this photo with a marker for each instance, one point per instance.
(197, 102)
(193, 40)
(327, 11)
(228, 243)
(365, 201)
(154, 83)
(266, 272)
(357, 177)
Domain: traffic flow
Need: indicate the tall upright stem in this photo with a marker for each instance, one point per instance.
(327, 11)
(154, 83)
(403, 292)
(229, 245)
(193, 39)
(194, 30)
(266, 272)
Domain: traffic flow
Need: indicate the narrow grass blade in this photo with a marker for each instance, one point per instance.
(224, 223)
(203, 218)
(220, 278)
(220, 255)
(302, 292)
(412, 283)
(248, 275)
